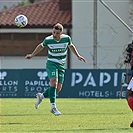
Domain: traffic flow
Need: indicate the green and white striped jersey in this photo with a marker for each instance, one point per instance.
(57, 50)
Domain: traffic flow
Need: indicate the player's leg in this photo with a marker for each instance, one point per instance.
(57, 83)
(129, 94)
(39, 97)
(52, 90)
(52, 73)
(59, 87)
(52, 96)
(61, 74)
(129, 97)
(46, 93)
(130, 102)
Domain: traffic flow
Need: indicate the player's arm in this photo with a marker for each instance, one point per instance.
(35, 52)
(74, 50)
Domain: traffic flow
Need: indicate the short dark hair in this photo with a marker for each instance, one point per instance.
(58, 26)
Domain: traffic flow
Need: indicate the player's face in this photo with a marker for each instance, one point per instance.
(56, 34)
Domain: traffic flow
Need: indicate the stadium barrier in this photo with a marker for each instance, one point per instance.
(78, 83)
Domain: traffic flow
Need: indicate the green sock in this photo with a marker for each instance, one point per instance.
(52, 94)
(46, 93)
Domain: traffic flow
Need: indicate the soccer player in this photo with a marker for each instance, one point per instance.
(57, 44)
(129, 94)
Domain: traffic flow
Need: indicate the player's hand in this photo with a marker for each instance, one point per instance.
(28, 56)
(82, 58)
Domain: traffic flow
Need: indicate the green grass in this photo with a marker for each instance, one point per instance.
(78, 116)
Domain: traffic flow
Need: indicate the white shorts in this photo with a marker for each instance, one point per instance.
(130, 86)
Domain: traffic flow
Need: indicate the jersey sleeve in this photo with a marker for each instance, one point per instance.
(70, 41)
(44, 43)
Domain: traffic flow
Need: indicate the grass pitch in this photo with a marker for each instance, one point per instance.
(78, 116)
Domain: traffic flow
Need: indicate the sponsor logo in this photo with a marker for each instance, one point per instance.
(8, 86)
(103, 79)
(39, 85)
(42, 75)
(3, 75)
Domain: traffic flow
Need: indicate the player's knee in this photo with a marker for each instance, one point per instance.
(58, 90)
(54, 82)
(59, 87)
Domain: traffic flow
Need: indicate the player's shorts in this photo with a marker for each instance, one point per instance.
(55, 70)
(130, 86)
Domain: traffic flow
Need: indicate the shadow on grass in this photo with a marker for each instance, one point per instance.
(10, 123)
(83, 130)
(22, 114)
(88, 113)
(91, 113)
